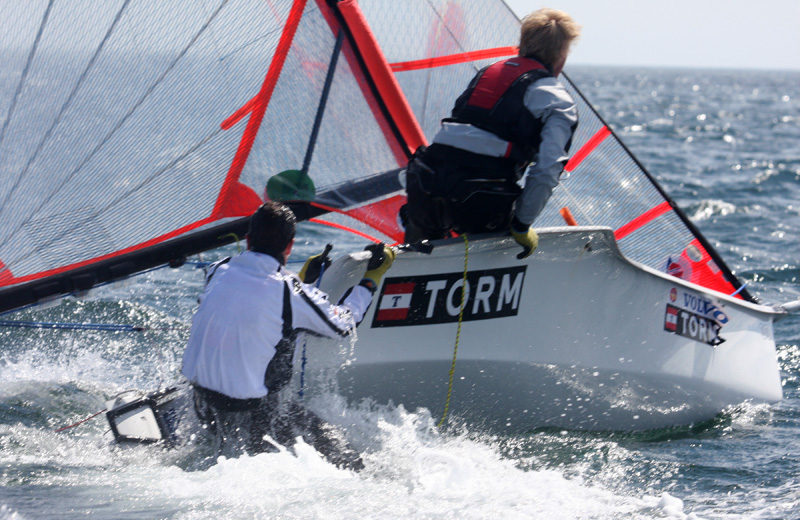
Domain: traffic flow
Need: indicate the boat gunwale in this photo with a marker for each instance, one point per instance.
(773, 311)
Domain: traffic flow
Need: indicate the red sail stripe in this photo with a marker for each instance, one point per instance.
(257, 106)
(239, 114)
(344, 228)
(587, 148)
(453, 59)
(381, 215)
(154, 241)
(642, 219)
(6, 277)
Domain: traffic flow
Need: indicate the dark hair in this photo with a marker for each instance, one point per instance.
(272, 227)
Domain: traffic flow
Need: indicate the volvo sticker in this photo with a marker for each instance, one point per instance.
(430, 299)
(694, 317)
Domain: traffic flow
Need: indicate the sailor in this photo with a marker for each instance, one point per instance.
(239, 355)
(513, 113)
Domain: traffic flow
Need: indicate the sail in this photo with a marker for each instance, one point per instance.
(131, 126)
(134, 133)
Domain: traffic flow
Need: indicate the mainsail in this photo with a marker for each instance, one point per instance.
(134, 133)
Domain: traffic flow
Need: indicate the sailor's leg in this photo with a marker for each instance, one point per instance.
(426, 216)
(209, 421)
(484, 212)
(260, 427)
(324, 437)
(235, 430)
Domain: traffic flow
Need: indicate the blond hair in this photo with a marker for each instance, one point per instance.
(546, 34)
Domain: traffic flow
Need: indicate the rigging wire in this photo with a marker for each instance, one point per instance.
(24, 75)
(323, 101)
(575, 203)
(69, 100)
(458, 330)
(128, 115)
(108, 327)
(72, 326)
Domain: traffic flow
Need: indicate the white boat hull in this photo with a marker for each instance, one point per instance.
(576, 336)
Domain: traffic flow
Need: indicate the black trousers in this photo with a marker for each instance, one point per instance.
(454, 190)
(255, 426)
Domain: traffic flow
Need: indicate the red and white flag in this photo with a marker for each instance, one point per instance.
(395, 301)
(671, 319)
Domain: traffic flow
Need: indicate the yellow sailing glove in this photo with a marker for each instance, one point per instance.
(315, 265)
(526, 237)
(381, 261)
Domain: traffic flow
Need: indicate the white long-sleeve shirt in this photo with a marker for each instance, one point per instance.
(240, 322)
(548, 101)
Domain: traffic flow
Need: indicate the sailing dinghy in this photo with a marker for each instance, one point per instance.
(135, 134)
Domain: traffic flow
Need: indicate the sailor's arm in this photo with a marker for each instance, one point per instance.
(549, 101)
(318, 314)
(312, 310)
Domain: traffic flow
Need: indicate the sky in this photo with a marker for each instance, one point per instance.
(737, 34)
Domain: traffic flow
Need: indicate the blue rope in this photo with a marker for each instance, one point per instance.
(71, 326)
(740, 289)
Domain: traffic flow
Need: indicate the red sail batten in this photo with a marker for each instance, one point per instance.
(380, 216)
(454, 59)
(344, 228)
(587, 148)
(641, 220)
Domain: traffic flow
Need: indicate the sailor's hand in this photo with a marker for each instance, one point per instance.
(379, 263)
(315, 265)
(526, 237)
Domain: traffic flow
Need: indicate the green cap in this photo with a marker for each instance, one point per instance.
(291, 185)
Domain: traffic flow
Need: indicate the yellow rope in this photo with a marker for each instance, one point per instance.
(235, 237)
(458, 330)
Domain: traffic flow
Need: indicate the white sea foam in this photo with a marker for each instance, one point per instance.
(7, 513)
(413, 470)
(707, 209)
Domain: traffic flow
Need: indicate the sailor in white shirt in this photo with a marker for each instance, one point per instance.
(239, 355)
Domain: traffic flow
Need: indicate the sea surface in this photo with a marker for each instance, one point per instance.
(724, 144)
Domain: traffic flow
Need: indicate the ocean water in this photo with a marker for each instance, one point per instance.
(724, 144)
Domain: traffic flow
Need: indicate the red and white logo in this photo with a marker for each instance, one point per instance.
(671, 319)
(395, 301)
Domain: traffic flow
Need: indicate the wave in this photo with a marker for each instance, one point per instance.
(789, 274)
(413, 470)
(706, 209)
